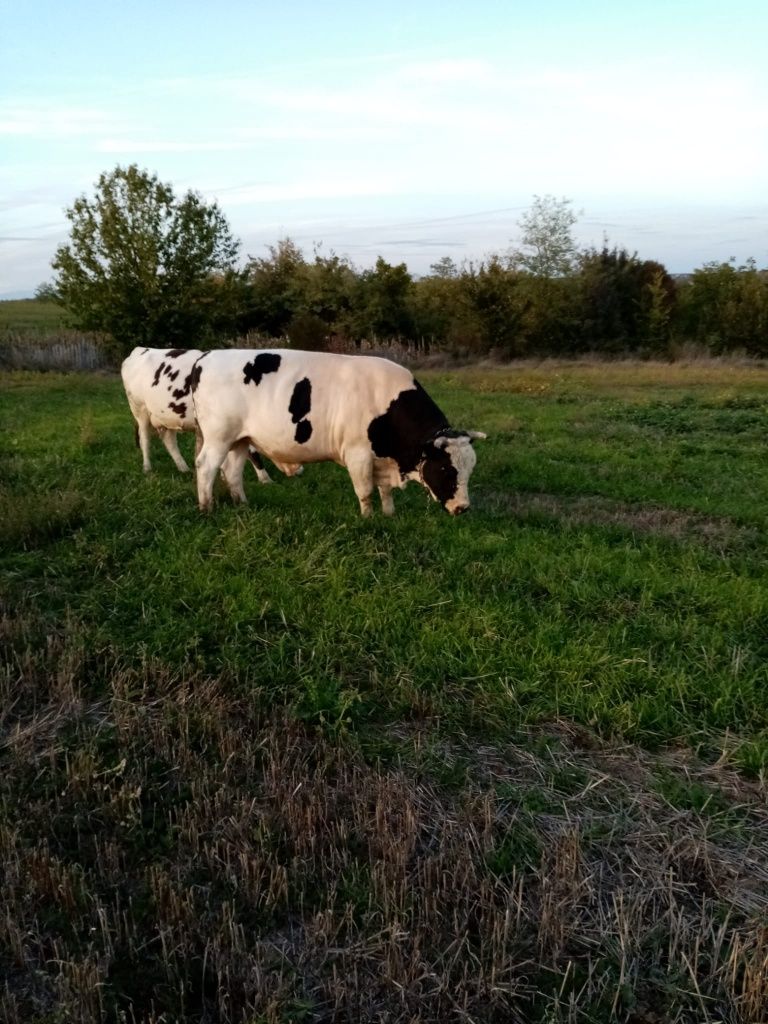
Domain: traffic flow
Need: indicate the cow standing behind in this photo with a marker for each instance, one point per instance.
(362, 412)
(158, 385)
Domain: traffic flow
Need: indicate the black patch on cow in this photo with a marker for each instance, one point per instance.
(403, 430)
(303, 431)
(176, 352)
(183, 392)
(181, 408)
(301, 400)
(193, 378)
(158, 371)
(439, 472)
(265, 362)
(255, 458)
(299, 407)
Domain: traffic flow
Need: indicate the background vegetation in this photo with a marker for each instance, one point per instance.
(144, 267)
(284, 764)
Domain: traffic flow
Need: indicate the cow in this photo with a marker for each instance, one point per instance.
(362, 412)
(157, 384)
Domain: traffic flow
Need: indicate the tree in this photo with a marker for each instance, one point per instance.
(46, 292)
(548, 248)
(143, 265)
(382, 308)
(278, 286)
(626, 302)
(444, 268)
(726, 307)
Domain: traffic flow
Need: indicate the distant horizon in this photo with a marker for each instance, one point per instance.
(411, 132)
(498, 225)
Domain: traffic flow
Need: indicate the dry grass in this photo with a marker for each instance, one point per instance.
(579, 510)
(171, 854)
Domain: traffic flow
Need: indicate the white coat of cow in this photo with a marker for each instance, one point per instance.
(362, 412)
(157, 385)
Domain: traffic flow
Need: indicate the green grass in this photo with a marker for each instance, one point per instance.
(24, 315)
(282, 763)
(612, 570)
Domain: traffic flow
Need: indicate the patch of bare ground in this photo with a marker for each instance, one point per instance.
(593, 510)
(171, 852)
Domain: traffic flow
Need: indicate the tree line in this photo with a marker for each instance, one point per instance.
(148, 268)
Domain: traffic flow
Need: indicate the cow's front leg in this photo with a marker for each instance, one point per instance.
(208, 463)
(360, 469)
(387, 504)
(171, 442)
(232, 471)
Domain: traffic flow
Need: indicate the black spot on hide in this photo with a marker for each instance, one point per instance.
(403, 430)
(181, 408)
(303, 431)
(193, 378)
(265, 362)
(158, 371)
(301, 400)
(176, 352)
(299, 407)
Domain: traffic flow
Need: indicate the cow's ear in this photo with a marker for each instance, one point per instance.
(441, 442)
(475, 435)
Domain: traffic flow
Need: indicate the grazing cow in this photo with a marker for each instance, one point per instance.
(158, 387)
(365, 413)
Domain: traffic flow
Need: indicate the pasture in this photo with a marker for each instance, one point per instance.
(281, 763)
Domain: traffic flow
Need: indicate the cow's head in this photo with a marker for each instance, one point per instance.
(447, 462)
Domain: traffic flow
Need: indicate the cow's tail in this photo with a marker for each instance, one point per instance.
(136, 433)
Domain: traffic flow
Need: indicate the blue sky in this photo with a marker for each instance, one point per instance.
(410, 130)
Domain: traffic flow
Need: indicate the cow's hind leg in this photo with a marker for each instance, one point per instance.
(258, 465)
(143, 436)
(232, 471)
(208, 463)
(171, 442)
(387, 504)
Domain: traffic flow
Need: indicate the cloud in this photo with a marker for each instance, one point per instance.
(310, 188)
(52, 120)
(136, 146)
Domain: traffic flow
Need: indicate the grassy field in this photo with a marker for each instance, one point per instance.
(24, 315)
(284, 764)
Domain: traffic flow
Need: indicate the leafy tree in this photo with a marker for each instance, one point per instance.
(548, 247)
(382, 301)
(493, 292)
(626, 302)
(140, 262)
(331, 283)
(46, 292)
(444, 268)
(278, 288)
(726, 307)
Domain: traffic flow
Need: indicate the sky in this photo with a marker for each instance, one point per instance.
(411, 130)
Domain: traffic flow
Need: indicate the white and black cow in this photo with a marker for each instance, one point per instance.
(365, 413)
(158, 387)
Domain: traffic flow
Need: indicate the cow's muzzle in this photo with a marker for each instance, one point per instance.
(458, 510)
